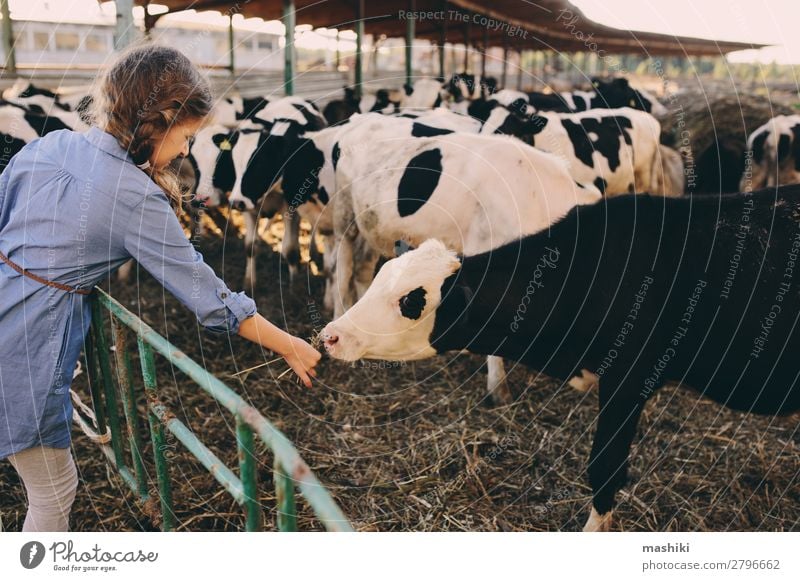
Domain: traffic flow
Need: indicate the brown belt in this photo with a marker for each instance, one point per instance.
(44, 281)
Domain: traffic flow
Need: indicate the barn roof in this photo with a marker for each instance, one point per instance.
(543, 24)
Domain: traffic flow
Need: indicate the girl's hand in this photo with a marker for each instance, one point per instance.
(302, 358)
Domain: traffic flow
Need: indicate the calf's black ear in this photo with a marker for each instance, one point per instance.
(401, 247)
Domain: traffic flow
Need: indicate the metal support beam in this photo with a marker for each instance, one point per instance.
(485, 48)
(467, 39)
(288, 48)
(338, 54)
(410, 43)
(125, 30)
(8, 39)
(443, 40)
(504, 82)
(150, 20)
(231, 45)
(359, 73)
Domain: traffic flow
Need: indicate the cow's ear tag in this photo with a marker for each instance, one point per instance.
(633, 103)
(225, 145)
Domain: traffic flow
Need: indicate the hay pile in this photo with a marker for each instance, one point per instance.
(418, 447)
(710, 131)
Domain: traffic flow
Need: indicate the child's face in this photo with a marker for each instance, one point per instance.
(175, 142)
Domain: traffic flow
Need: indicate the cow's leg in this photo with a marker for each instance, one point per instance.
(608, 463)
(250, 238)
(290, 247)
(496, 383)
(364, 267)
(313, 251)
(329, 262)
(343, 276)
(124, 271)
(346, 235)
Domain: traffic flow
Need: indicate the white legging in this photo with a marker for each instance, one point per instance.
(50, 480)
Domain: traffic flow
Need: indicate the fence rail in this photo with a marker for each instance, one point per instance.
(289, 469)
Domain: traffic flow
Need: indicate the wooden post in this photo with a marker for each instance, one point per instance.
(519, 70)
(124, 33)
(410, 44)
(288, 49)
(8, 39)
(359, 76)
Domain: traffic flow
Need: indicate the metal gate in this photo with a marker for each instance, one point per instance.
(289, 469)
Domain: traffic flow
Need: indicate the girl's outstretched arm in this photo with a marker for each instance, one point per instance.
(155, 238)
(300, 356)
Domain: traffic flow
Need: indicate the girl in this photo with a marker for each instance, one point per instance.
(73, 208)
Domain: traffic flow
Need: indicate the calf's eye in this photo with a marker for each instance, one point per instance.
(413, 303)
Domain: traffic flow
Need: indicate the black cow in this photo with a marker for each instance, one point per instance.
(608, 289)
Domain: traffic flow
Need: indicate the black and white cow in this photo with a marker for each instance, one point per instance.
(31, 114)
(601, 290)
(384, 101)
(230, 111)
(773, 154)
(309, 176)
(425, 93)
(471, 190)
(15, 132)
(244, 166)
(605, 94)
(616, 150)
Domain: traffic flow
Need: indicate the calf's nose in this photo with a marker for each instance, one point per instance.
(329, 339)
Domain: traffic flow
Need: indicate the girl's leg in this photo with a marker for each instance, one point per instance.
(50, 480)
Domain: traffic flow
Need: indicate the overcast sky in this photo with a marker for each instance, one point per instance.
(761, 21)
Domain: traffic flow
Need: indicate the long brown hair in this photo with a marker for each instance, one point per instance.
(142, 94)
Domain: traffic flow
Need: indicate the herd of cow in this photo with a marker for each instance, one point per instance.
(531, 241)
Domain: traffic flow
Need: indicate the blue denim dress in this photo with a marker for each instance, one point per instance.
(73, 208)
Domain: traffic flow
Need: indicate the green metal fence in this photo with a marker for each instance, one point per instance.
(289, 469)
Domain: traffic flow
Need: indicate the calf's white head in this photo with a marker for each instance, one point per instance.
(395, 317)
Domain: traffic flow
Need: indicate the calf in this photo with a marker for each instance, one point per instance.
(721, 318)
(247, 164)
(614, 149)
(773, 154)
(445, 187)
(309, 179)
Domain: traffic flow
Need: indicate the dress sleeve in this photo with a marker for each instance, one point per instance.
(155, 239)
